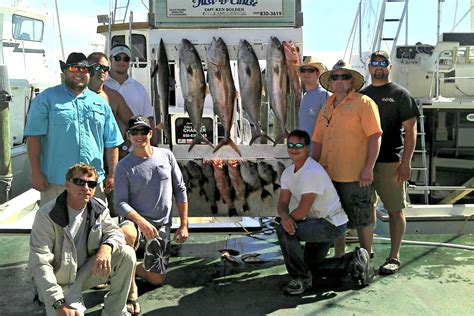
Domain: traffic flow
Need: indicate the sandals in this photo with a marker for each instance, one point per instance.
(133, 307)
(391, 266)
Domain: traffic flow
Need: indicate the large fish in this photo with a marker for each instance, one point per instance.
(209, 186)
(162, 77)
(293, 59)
(276, 74)
(223, 185)
(193, 87)
(221, 85)
(238, 183)
(250, 83)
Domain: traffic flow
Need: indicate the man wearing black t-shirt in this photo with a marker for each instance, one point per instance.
(397, 109)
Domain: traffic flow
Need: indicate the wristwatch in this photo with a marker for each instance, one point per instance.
(124, 147)
(109, 244)
(58, 303)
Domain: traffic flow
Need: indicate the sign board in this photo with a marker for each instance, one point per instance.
(184, 131)
(224, 8)
(225, 13)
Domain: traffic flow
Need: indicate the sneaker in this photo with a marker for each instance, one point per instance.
(298, 286)
(360, 268)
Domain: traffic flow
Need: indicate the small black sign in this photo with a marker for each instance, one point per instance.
(185, 132)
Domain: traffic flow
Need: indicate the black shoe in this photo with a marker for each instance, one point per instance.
(360, 269)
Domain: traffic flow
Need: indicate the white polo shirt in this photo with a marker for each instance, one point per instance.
(134, 94)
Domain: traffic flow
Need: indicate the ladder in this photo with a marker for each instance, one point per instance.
(120, 11)
(385, 25)
(422, 170)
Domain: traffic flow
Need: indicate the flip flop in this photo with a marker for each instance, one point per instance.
(230, 251)
(390, 266)
(225, 255)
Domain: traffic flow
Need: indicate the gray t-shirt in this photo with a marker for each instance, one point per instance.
(148, 185)
(313, 101)
(77, 228)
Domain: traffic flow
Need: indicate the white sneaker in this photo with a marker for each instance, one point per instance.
(124, 312)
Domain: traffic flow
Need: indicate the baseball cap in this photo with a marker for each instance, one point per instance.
(120, 49)
(137, 122)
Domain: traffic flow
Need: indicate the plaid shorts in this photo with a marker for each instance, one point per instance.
(157, 250)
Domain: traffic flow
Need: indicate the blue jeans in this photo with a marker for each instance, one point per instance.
(319, 233)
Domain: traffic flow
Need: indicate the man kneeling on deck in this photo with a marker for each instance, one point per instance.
(318, 218)
(75, 245)
(145, 182)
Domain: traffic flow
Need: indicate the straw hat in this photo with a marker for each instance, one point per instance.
(312, 61)
(357, 78)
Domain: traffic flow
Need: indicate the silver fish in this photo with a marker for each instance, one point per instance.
(250, 83)
(221, 85)
(193, 87)
(162, 71)
(276, 74)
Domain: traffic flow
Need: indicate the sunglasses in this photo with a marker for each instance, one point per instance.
(139, 131)
(308, 70)
(379, 63)
(341, 77)
(297, 145)
(101, 68)
(78, 69)
(120, 58)
(82, 183)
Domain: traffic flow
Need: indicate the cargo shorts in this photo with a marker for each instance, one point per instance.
(356, 202)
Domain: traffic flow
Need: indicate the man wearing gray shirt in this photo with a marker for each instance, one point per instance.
(314, 97)
(147, 179)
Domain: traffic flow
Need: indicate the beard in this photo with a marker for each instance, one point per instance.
(380, 75)
(77, 86)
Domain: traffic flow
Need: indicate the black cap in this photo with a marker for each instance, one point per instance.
(75, 59)
(138, 121)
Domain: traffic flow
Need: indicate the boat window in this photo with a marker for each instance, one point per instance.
(27, 29)
(138, 48)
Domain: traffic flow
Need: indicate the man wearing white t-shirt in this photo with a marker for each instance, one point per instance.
(132, 91)
(318, 218)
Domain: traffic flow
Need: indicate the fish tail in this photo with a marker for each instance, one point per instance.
(229, 142)
(233, 211)
(281, 137)
(199, 138)
(214, 209)
(258, 135)
(265, 194)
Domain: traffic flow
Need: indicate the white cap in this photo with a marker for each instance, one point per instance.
(120, 50)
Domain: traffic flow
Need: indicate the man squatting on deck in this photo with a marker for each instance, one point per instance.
(75, 245)
(147, 179)
(318, 218)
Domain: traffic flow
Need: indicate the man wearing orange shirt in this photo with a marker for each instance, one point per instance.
(346, 142)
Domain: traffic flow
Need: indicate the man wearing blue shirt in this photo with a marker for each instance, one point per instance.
(68, 124)
(315, 96)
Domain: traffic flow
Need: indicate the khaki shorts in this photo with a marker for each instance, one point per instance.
(388, 188)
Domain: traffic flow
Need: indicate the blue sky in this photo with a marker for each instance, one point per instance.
(327, 23)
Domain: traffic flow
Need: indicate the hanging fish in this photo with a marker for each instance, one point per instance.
(221, 85)
(238, 183)
(223, 185)
(276, 74)
(250, 84)
(292, 59)
(193, 87)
